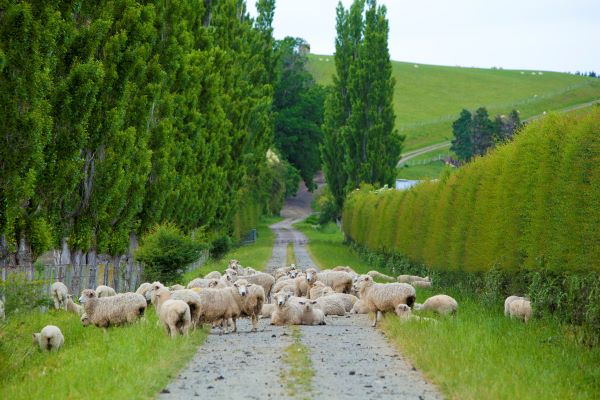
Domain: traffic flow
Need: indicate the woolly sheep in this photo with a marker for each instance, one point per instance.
(347, 299)
(311, 315)
(344, 269)
(174, 314)
(112, 310)
(143, 289)
(283, 271)
(262, 279)
(105, 291)
(331, 305)
(520, 309)
(319, 289)
(250, 298)
(377, 274)
(359, 308)
(298, 285)
(339, 281)
(201, 283)
(382, 297)
(286, 284)
(73, 307)
(441, 304)
(411, 278)
(509, 300)
(213, 275)
(287, 310)
(192, 299)
(49, 338)
(176, 287)
(235, 265)
(405, 314)
(267, 310)
(59, 293)
(154, 287)
(219, 305)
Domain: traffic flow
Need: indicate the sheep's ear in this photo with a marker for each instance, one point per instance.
(302, 302)
(248, 285)
(313, 302)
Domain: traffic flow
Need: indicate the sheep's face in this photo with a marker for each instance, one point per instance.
(231, 274)
(281, 298)
(307, 304)
(213, 283)
(362, 282)
(86, 294)
(242, 287)
(403, 311)
(234, 264)
(35, 338)
(85, 320)
(311, 275)
(157, 285)
(293, 273)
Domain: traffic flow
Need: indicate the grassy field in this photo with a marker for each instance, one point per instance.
(131, 362)
(430, 170)
(480, 354)
(428, 98)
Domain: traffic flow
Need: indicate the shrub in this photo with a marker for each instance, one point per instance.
(165, 251)
(220, 246)
(21, 294)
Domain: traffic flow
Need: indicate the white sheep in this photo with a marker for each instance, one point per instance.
(174, 314)
(105, 291)
(359, 308)
(260, 278)
(331, 305)
(284, 271)
(509, 300)
(441, 304)
(298, 285)
(143, 289)
(201, 283)
(383, 297)
(319, 289)
(347, 299)
(377, 274)
(405, 314)
(155, 286)
(339, 281)
(250, 298)
(192, 299)
(412, 278)
(421, 284)
(287, 310)
(213, 275)
(219, 305)
(59, 293)
(112, 310)
(176, 287)
(50, 338)
(235, 265)
(266, 310)
(520, 309)
(73, 307)
(311, 314)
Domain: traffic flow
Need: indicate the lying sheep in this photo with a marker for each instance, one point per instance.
(359, 308)
(383, 297)
(105, 291)
(319, 289)
(339, 281)
(347, 299)
(509, 300)
(250, 298)
(73, 307)
(377, 274)
(412, 278)
(520, 309)
(421, 284)
(441, 304)
(213, 275)
(331, 305)
(287, 310)
(311, 315)
(405, 314)
(59, 293)
(176, 287)
(50, 338)
(267, 310)
(192, 299)
(174, 314)
(112, 310)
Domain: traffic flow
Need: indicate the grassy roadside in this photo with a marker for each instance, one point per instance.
(298, 377)
(431, 170)
(480, 354)
(131, 362)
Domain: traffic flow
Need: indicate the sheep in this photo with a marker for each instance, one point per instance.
(287, 284)
(377, 274)
(339, 281)
(347, 299)
(250, 298)
(73, 307)
(2, 315)
(112, 310)
(154, 287)
(213, 275)
(262, 279)
(509, 300)
(105, 291)
(267, 310)
(287, 310)
(359, 308)
(412, 278)
(441, 304)
(235, 265)
(49, 338)
(405, 314)
(219, 305)
(319, 289)
(192, 299)
(200, 283)
(311, 315)
(382, 297)
(176, 287)
(520, 309)
(421, 284)
(174, 314)
(331, 305)
(344, 269)
(298, 285)
(143, 289)
(59, 293)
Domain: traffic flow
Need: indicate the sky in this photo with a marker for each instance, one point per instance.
(550, 35)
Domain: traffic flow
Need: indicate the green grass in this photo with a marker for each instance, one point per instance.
(428, 98)
(130, 362)
(289, 255)
(430, 170)
(255, 255)
(480, 354)
(298, 378)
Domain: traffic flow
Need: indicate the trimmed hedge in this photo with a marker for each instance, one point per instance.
(531, 205)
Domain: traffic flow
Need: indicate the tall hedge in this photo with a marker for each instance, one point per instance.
(532, 204)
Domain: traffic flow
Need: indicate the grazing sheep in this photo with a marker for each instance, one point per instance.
(520, 309)
(267, 310)
(49, 338)
(59, 293)
(441, 304)
(287, 310)
(174, 314)
(250, 298)
(192, 299)
(509, 300)
(331, 305)
(359, 308)
(176, 287)
(73, 307)
(262, 279)
(219, 305)
(105, 291)
(377, 274)
(382, 297)
(421, 284)
(2, 315)
(112, 310)
(143, 289)
(213, 275)
(319, 289)
(405, 314)
(412, 278)
(311, 315)
(339, 281)
(347, 299)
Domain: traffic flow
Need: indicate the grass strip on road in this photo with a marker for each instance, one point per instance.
(290, 256)
(298, 376)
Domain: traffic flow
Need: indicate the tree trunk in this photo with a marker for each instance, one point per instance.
(65, 253)
(130, 275)
(24, 256)
(116, 261)
(92, 261)
(75, 265)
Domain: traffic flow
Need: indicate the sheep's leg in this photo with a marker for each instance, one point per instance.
(234, 325)
(167, 329)
(254, 322)
(173, 329)
(376, 318)
(56, 304)
(185, 329)
(65, 304)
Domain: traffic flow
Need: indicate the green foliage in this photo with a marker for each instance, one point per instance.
(326, 205)
(462, 144)
(22, 295)
(165, 251)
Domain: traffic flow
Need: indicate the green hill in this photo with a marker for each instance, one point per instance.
(429, 97)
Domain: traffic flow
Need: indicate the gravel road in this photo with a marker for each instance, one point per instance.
(351, 360)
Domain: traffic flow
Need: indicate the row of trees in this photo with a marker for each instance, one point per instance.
(118, 115)
(360, 143)
(475, 134)
(530, 205)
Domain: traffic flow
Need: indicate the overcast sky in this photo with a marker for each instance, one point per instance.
(556, 35)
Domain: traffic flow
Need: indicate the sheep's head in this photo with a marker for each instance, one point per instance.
(231, 274)
(242, 286)
(85, 320)
(403, 311)
(293, 273)
(36, 338)
(307, 304)
(213, 283)
(87, 294)
(157, 285)
(234, 264)
(362, 282)
(281, 298)
(161, 295)
(311, 275)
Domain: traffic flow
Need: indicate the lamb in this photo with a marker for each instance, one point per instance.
(219, 305)
(176, 287)
(192, 299)
(267, 310)
(262, 279)
(287, 310)
(347, 299)
(331, 305)
(412, 278)
(520, 309)
(382, 297)
(319, 289)
(311, 315)
(213, 275)
(405, 313)
(73, 307)
(377, 274)
(113, 310)
(339, 281)
(509, 300)
(421, 284)
(441, 304)
(174, 314)
(59, 293)
(49, 338)
(359, 308)
(250, 298)
(105, 291)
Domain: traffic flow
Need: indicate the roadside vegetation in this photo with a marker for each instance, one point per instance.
(429, 170)
(298, 376)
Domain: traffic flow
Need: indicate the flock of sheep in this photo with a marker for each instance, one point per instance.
(289, 296)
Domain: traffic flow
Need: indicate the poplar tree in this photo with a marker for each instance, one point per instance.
(462, 144)
(482, 131)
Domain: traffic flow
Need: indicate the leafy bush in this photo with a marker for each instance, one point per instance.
(165, 251)
(220, 246)
(21, 294)
(327, 206)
